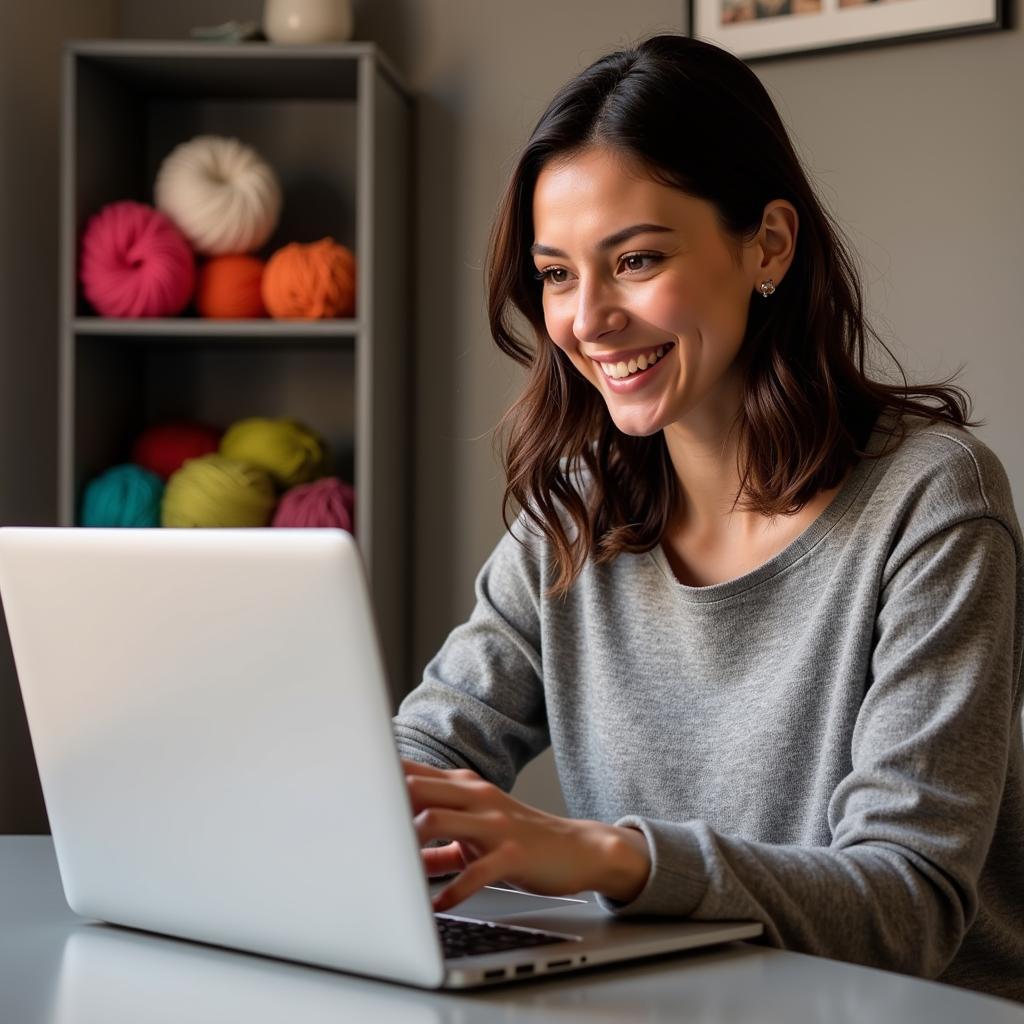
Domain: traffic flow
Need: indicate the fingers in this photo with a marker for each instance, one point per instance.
(484, 871)
(415, 768)
(478, 827)
(443, 860)
(430, 791)
(458, 804)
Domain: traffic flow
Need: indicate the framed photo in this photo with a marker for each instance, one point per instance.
(763, 29)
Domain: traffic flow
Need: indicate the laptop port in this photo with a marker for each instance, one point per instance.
(498, 972)
(524, 969)
(559, 963)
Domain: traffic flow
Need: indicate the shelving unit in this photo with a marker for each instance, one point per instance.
(334, 121)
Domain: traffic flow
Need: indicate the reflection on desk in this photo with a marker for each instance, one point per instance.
(113, 976)
(109, 975)
(55, 969)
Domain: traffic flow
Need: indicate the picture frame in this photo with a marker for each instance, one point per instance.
(760, 30)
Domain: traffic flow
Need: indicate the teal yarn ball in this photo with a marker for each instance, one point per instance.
(125, 495)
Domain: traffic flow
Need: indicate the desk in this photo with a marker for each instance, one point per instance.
(56, 968)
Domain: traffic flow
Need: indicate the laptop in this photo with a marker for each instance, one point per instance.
(212, 727)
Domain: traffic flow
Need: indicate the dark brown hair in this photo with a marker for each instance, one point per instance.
(695, 118)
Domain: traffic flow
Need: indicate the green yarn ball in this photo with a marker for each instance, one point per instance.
(287, 449)
(125, 495)
(213, 490)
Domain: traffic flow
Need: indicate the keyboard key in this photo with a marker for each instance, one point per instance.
(462, 936)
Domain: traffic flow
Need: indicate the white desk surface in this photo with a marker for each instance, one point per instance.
(58, 969)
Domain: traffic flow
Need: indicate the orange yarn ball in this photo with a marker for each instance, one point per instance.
(311, 281)
(229, 288)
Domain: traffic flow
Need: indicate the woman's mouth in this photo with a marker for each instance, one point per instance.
(635, 366)
(629, 375)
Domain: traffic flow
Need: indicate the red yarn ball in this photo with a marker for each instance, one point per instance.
(326, 502)
(164, 447)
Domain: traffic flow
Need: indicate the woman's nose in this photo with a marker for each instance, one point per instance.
(597, 313)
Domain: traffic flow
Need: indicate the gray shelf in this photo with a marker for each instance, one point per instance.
(249, 70)
(185, 329)
(335, 122)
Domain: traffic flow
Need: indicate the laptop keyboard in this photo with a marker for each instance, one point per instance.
(461, 936)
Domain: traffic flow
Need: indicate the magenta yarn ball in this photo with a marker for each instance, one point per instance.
(325, 502)
(135, 262)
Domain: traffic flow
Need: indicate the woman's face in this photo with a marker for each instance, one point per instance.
(632, 268)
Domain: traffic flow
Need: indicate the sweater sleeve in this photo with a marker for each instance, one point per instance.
(480, 704)
(913, 820)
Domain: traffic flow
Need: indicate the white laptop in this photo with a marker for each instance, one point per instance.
(212, 727)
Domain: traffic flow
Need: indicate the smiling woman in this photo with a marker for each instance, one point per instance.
(768, 612)
(664, 176)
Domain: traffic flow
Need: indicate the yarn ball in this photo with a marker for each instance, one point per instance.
(326, 502)
(135, 262)
(222, 194)
(310, 281)
(124, 495)
(216, 491)
(288, 450)
(229, 288)
(164, 447)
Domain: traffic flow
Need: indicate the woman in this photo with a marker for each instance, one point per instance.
(768, 612)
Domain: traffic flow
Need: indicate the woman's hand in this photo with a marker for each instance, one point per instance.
(495, 838)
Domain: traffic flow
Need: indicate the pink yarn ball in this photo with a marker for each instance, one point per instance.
(326, 502)
(135, 262)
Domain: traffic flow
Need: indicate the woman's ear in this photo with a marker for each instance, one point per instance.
(777, 241)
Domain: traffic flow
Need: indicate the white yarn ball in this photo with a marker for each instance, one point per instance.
(222, 194)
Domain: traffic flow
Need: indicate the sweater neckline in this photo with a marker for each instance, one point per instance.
(797, 548)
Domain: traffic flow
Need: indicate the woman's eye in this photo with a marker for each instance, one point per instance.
(641, 256)
(547, 275)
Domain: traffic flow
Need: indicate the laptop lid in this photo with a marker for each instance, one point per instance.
(169, 678)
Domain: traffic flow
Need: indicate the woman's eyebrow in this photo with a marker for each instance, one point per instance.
(612, 240)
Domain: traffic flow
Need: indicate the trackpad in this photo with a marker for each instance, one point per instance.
(493, 902)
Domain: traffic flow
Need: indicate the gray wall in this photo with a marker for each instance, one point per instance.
(917, 148)
(31, 37)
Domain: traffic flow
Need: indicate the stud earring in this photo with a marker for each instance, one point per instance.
(767, 287)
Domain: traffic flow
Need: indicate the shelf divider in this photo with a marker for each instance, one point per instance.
(198, 327)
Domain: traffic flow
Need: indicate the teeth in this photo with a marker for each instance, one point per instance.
(624, 369)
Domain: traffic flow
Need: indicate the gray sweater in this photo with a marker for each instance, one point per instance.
(830, 744)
